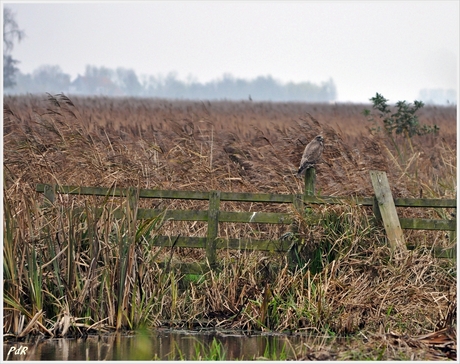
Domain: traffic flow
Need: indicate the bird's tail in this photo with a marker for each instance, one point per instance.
(303, 168)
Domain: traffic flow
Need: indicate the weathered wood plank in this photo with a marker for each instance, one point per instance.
(254, 244)
(213, 227)
(221, 243)
(376, 211)
(49, 194)
(198, 215)
(172, 194)
(453, 234)
(120, 192)
(143, 214)
(177, 215)
(310, 179)
(91, 191)
(368, 201)
(245, 197)
(255, 197)
(333, 200)
(387, 210)
(224, 216)
(255, 217)
(427, 224)
(425, 202)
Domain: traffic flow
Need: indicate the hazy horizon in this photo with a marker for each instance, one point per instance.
(395, 48)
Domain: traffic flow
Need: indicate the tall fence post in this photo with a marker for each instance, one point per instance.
(126, 248)
(213, 227)
(132, 207)
(387, 210)
(294, 260)
(310, 179)
(292, 253)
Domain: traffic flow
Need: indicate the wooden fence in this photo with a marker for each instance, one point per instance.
(384, 207)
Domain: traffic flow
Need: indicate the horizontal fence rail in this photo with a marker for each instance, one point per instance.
(259, 217)
(245, 196)
(199, 215)
(214, 215)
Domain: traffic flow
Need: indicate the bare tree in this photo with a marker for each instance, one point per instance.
(11, 32)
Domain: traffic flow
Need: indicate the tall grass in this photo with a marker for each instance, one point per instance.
(75, 265)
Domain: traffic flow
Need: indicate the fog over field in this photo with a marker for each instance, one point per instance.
(279, 51)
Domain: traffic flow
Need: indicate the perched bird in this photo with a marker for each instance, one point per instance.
(311, 154)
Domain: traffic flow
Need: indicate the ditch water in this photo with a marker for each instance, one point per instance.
(160, 345)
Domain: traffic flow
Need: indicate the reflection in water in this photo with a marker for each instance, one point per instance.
(159, 344)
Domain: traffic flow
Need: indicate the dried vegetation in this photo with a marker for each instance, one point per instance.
(69, 274)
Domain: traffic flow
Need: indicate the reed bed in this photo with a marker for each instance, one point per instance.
(71, 273)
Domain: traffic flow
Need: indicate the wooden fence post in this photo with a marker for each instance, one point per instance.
(292, 253)
(132, 207)
(133, 198)
(50, 195)
(387, 210)
(213, 227)
(452, 252)
(293, 257)
(376, 211)
(310, 179)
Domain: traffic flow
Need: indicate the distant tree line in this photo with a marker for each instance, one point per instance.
(125, 82)
(11, 34)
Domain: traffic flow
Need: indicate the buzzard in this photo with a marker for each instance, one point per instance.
(311, 154)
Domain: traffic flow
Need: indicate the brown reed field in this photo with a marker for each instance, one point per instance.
(72, 274)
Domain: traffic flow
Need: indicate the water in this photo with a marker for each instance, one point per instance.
(159, 344)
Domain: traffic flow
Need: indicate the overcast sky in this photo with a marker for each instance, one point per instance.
(395, 48)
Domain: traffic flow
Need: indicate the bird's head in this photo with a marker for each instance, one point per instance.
(319, 138)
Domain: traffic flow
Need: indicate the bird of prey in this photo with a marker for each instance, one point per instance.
(311, 154)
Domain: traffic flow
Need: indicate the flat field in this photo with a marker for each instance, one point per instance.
(226, 146)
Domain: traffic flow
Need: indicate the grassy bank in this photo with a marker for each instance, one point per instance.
(72, 273)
